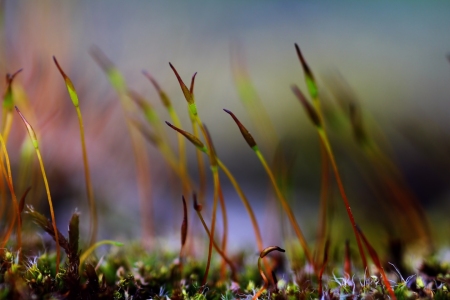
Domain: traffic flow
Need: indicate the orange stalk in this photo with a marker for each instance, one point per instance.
(33, 138)
(8, 176)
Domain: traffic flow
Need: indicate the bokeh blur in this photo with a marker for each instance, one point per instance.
(389, 56)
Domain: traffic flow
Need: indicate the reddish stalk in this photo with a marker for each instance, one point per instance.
(225, 228)
(324, 264)
(377, 262)
(214, 169)
(317, 121)
(348, 260)
(198, 209)
(324, 194)
(184, 231)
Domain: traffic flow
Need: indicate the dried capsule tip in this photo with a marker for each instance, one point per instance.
(187, 94)
(245, 133)
(309, 77)
(30, 130)
(191, 89)
(10, 78)
(305, 66)
(197, 207)
(184, 225)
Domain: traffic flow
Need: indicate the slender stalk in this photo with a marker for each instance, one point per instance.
(213, 226)
(87, 175)
(266, 282)
(88, 182)
(324, 264)
(14, 215)
(246, 203)
(286, 208)
(252, 144)
(7, 118)
(347, 260)
(316, 116)
(225, 227)
(195, 120)
(377, 262)
(324, 138)
(9, 181)
(214, 169)
(198, 209)
(201, 167)
(215, 172)
(324, 194)
(33, 138)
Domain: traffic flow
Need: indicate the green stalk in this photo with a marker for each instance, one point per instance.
(87, 175)
(316, 116)
(251, 142)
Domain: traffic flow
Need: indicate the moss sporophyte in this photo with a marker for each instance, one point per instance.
(201, 264)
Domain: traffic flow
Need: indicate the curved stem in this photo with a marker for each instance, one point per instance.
(221, 253)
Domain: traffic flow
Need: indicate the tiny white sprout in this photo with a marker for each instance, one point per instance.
(281, 284)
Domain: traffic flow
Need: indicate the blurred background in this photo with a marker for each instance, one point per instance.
(390, 57)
